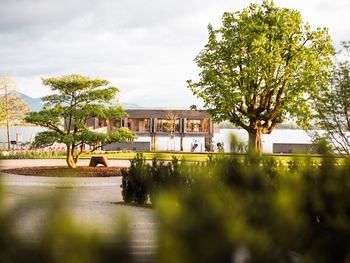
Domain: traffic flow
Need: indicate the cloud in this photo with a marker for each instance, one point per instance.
(146, 48)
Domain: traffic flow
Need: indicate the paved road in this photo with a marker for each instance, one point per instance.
(92, 201)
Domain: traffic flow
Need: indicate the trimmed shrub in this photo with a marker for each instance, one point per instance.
(142, 181)
(134, 181)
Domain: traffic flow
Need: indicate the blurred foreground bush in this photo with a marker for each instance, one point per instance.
(53, 237)
(224, 210)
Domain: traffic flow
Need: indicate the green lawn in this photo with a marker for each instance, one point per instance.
(167, 156)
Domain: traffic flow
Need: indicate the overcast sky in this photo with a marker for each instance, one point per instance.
(145, 48)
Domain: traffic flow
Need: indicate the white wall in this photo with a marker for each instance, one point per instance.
(165, 143)
(277, 136)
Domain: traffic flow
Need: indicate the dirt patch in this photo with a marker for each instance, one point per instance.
(62, 171)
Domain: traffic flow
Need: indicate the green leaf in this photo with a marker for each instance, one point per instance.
(262, 66)
(65, 113)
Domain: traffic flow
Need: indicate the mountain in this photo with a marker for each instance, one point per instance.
(130, 105)
(36, 104)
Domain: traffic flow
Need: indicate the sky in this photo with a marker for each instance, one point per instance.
(145, 48)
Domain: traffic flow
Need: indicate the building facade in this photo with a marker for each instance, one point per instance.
(174, 130)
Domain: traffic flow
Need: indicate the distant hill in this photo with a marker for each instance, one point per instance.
(130, 105)
(36, 104)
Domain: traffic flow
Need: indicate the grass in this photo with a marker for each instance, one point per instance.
(167, 156)
(199, 157)
(31, 155)
(63, 171)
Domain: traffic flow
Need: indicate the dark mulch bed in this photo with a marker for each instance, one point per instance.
(62, 171)
(148, 205)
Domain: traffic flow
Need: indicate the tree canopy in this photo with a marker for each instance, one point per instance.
(261, 67)
(333, 103)
(65, 113)
(12, 108)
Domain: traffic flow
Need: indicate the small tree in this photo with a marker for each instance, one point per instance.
(65, 113)
(261, 67)
(171, 127)
(12, 108)
(333, 104)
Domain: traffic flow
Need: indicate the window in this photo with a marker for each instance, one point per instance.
(166, 125)
(101, 123)
(115, 123)
(197, 125)
(138, 125)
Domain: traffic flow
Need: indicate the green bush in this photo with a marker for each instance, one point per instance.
(222, 210)
(228, 210)
(147, 180)
(142, 181)
(326, 207)
(265, 213)
(134, 181)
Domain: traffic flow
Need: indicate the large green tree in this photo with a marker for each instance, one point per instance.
(77, 98)
(262, 66)
(333, 103)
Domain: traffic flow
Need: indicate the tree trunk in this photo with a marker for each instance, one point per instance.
(8, 132)
(255, 142)
(70, 158)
